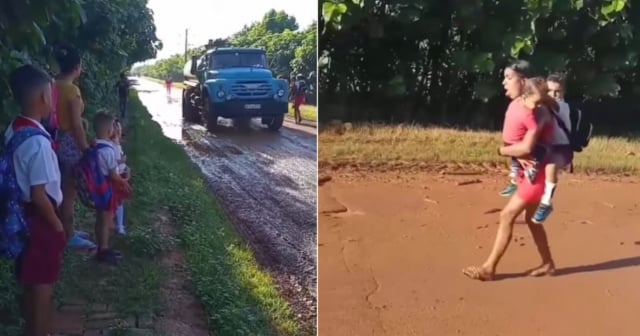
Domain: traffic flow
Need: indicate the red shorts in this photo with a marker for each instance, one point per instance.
(117, 197)
(41, 261)
(531, 193)
(299, 100)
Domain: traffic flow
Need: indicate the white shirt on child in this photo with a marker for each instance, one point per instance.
(36, 163)
(564, 113)
(107, 157)
(122, 167)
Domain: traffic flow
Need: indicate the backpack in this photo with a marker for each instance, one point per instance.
(301, 87)
(94, 189)
(581, 129)
(13, 226)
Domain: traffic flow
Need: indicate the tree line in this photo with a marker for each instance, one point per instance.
(441, 61)
(111, 35)
(289, 49)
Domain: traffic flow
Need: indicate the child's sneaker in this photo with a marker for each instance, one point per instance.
(530, 174)
(509, 190)
(542, 213)
(109, 257)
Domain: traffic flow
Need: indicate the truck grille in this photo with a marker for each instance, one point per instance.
(251, 89)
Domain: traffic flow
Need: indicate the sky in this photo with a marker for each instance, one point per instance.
(207, 19)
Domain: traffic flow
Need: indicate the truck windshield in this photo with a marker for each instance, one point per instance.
(237, 59)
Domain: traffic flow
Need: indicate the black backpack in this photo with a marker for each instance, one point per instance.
(581, 129)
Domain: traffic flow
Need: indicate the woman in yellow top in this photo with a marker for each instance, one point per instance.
(72, 139)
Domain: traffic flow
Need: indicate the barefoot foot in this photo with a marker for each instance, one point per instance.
(478, 273)
(542, 270)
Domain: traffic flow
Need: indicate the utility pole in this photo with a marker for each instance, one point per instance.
(186, 44)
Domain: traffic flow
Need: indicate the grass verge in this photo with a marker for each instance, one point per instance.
(239, 298)
(412, 146)
(309, 112)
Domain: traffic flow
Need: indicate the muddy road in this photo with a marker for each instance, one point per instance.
(267, 183)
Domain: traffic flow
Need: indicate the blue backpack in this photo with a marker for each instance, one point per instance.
(13, 227)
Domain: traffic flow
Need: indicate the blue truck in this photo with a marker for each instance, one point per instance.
(233, 83)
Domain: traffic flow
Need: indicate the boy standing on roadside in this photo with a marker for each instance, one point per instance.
(38, 179)
(104, 127)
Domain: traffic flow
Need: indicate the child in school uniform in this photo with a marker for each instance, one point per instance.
(124, 172)
(104, 127)
(37, 174)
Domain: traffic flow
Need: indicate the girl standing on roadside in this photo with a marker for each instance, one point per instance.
(72, 139)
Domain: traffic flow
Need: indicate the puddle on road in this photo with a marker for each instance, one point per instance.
(166, 112)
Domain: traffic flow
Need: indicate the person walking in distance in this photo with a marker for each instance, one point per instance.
(168, 83)
(122, 85)
(299, 97)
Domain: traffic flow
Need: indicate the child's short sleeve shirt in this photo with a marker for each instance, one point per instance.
(35, 162)
(107, 157)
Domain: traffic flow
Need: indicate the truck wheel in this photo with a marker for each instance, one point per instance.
(189, 113)
(210, 117)
(275, 123)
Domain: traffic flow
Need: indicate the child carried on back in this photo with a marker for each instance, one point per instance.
(534, 96)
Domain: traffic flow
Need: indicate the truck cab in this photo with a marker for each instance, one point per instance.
(233, 83)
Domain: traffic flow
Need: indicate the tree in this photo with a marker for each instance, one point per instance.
(441, 61)
(111, 34)
(288, 49)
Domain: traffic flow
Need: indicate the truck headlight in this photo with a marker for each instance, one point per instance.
(220, 94)
(280, 93)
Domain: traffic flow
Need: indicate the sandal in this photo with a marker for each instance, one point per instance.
(82, 234)
(78, 243)
(477, 273)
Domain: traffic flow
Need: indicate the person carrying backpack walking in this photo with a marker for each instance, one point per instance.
(72, 139)
(300, 97)
(32, 232)
(122, 85)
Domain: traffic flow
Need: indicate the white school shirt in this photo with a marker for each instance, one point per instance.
(559, 136)
(122, 167)
(36, 163)
(107, 157)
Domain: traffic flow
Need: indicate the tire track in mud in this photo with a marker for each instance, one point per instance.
(267, 184)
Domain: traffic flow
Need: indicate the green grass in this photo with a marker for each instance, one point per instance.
(309, 112)
(239, 298)
(401, 147)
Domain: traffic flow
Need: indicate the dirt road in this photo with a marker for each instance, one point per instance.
(267, 183)
(392, 246)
